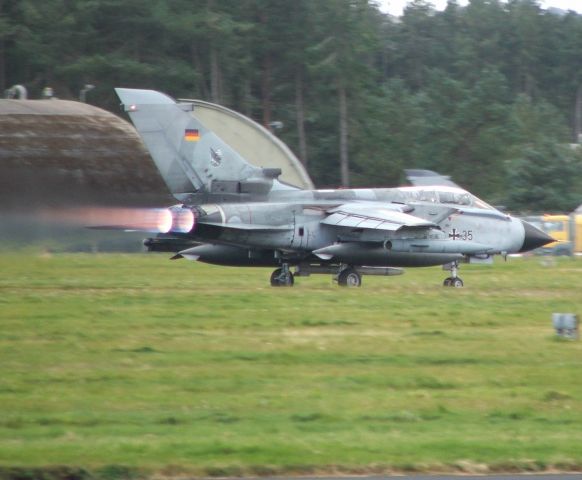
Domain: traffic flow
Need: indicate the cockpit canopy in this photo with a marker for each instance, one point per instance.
(444, 195)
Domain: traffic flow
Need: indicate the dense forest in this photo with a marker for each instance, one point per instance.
(490, 93)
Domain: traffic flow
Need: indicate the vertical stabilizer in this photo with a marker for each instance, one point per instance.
(190, 157)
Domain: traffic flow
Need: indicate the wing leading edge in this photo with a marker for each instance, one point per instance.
(373, 217)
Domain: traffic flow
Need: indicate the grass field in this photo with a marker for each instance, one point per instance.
(132, 364)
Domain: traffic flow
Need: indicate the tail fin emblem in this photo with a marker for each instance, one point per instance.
(191, 135)
(215, 157)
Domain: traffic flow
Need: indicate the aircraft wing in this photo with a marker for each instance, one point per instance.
(374, 217)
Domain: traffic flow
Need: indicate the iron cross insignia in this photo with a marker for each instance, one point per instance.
(454, 235)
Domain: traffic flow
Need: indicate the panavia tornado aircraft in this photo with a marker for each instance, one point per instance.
(233, 213)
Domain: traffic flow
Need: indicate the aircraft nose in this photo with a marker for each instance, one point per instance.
(534, 237)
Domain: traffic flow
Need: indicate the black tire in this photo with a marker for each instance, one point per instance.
(349, 278)
(448, 281)
(280, 280)
(457, 283)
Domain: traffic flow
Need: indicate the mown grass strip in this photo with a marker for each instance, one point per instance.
(116, 366)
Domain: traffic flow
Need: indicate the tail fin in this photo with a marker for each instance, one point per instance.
(428, 178)
(190, 158)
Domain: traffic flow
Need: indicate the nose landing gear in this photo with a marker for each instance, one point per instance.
(453, 280)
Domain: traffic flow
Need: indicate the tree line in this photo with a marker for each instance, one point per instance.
(490, 93)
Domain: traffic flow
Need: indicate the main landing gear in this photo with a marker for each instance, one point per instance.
(282, 277)
(453, 280)
(349, 277)
(345, 275)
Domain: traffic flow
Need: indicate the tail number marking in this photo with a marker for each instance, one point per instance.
(461, 235)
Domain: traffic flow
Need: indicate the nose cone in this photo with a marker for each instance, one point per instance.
(534, 238)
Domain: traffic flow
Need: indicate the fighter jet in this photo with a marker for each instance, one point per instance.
(231, 212)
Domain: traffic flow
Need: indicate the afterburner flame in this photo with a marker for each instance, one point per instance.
(165, 220)
(183, 221)
(141, 219)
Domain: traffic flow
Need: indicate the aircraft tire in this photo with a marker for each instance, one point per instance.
(349, 278)
(280, 280)
(457, 283)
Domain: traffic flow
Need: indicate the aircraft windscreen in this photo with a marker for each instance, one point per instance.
(462, 198)
(478, 203)
(456, 198)
(445, 195)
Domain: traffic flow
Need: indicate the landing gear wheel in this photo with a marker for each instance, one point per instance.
(457, 283)
(349, 278)
(453, 280)
(280, 278)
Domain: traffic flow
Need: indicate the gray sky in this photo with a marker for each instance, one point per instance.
(395, 7)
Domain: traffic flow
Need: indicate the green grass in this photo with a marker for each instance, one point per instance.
(124, 363)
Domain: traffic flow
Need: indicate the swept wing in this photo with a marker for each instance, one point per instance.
(369, 215)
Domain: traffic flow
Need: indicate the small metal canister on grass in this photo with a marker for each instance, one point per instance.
(566, 325)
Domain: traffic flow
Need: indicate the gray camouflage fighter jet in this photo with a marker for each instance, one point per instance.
(233, 213)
